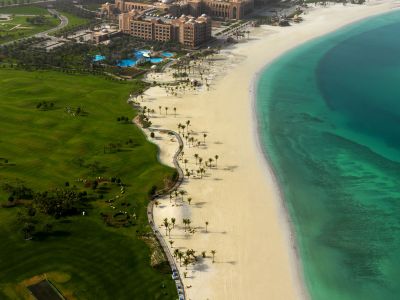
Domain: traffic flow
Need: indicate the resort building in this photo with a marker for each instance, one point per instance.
(219, 9)
(187, 30)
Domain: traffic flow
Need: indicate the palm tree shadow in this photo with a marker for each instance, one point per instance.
(230, 168)
(201, 267)
(231, 262)
(200, 204)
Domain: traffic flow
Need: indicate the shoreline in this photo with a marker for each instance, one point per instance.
(225, 193)
(265, 159)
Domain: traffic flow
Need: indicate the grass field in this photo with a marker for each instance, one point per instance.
(18, 27)
(24, 10)
(43, 149)
(73, 20)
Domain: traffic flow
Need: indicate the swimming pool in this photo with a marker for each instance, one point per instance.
(99, 57)
(139, 54)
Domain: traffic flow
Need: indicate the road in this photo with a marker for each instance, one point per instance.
(63, 23)
(45, 34)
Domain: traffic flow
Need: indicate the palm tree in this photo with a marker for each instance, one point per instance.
(176, 251)
(204, 136)
(175, 111)
(188, 123)
(216, 160)
(202, 171)
(206, 225)
(171, 243)
(196, 156)
(213, 255)
(159, 108)
(186, 262)
(166, 110)
(210, 160)
(166, 224)
(185, 162)
(203, 254)
(182, 192)
(184, 221)
(173, 222)
(200, 160)
(180, 255)
(169, 230)
(189, 200)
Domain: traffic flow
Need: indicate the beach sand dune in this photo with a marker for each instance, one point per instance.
(248, 226)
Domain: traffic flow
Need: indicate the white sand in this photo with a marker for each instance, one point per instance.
(248, 228)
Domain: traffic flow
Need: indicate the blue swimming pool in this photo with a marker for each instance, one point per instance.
(99, 57)
(139, 54)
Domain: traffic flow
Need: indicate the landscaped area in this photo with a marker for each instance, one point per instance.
(65, 134)
(23, 21)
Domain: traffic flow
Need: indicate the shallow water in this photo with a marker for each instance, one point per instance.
(329, 119)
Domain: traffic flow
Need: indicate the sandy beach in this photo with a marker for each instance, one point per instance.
(248, 225)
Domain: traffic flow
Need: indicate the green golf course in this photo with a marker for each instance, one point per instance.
(71, 132)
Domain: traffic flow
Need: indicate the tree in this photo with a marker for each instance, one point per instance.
(213, 252)
(171, 243)
(184, 221)
(216, 160)
(159, 108)
(206, 225)
(189, 200)
(173, 222)
(203, 254)
(28, 230)
(166, 223)
(180, 256)
(196, 156)
(166, 110)
(182, 193)
(185, 162)
(186, 262)
(204, 137)
(175, 111)
(176, 251)
(210, 161)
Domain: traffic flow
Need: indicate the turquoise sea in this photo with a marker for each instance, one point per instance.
(329, 121)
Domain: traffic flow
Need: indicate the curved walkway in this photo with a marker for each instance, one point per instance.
(63, 23)
(178, 281)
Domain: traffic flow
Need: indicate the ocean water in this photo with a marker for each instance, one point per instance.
(329, 122)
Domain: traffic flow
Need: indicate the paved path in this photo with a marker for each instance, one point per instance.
(178, 282)
(45, 34)
(63, 23)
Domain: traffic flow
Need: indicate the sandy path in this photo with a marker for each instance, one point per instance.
(248, 226)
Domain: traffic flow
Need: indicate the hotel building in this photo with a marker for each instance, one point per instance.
(187, 30)
(220, 9)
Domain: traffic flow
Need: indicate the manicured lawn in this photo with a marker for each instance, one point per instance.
(73, 20)
(18, 27)
(46, 148)
(92, 6)
(24, 10)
